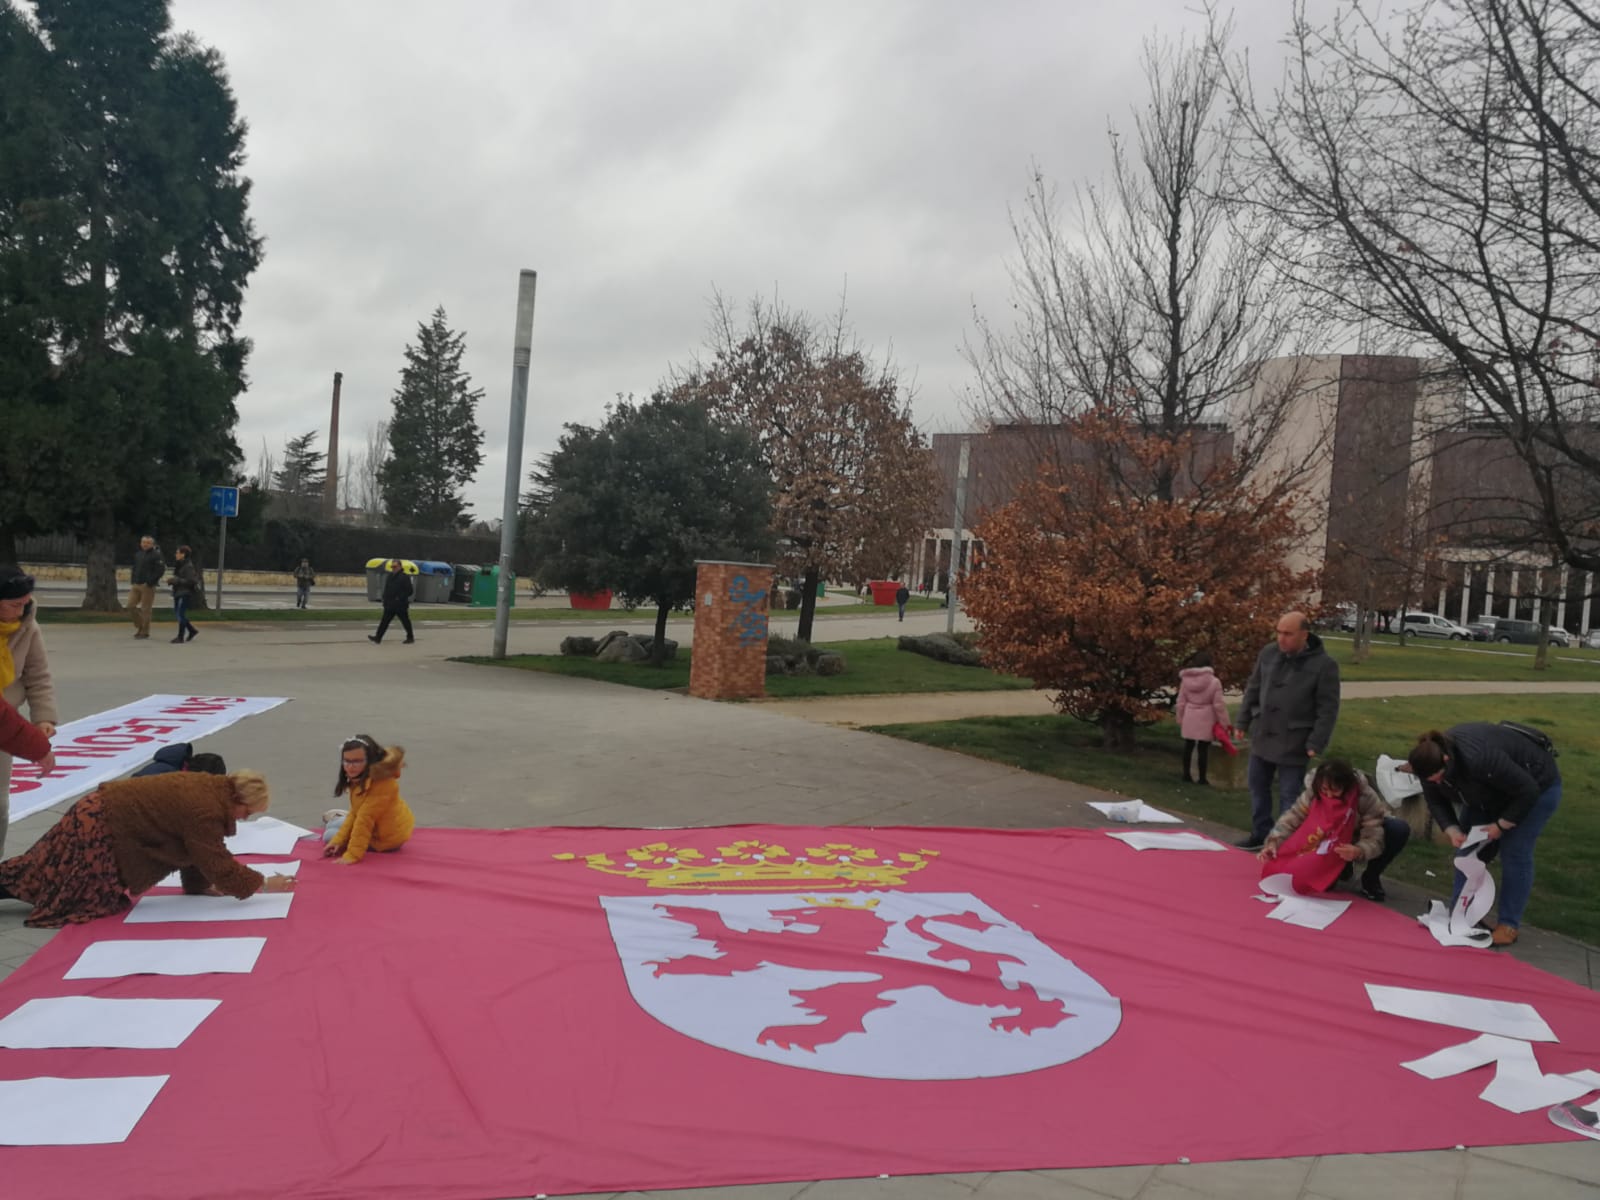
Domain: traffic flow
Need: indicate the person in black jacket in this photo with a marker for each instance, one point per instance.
(148, 568)
(901, 596)
(180, 756)
(1491, 775)
(185, 583)
(396, 602)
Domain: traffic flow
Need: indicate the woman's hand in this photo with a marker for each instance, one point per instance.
(332, 850)
(1493, 831)
(278, 883)
(48, 728)
(1347, 852)
(1267, 852)
(47, 763)
(1457, 838)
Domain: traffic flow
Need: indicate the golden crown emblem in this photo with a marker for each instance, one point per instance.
(759, 866)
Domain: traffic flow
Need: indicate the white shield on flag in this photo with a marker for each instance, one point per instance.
(890, 985)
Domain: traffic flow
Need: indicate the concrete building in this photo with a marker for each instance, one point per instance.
(1405, 503)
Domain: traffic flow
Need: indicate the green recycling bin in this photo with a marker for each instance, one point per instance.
(486, 588)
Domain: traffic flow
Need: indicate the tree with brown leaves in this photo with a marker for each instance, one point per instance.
(1099, 592)
(853, 483)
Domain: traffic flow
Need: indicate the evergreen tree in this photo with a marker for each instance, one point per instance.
(435, 444)
(631, 505)
(125, 246)
(303, 474)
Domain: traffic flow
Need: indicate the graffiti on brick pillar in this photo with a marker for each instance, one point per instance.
(749, 619)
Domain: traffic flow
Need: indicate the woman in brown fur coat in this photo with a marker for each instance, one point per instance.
(123, 838)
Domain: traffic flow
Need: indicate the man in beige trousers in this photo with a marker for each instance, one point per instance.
(148, 568)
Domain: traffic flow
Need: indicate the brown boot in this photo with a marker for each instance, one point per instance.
(1504, 935)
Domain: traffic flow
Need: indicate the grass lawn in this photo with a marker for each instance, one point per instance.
(1433, 659)
(876, 666)
(1566, 895)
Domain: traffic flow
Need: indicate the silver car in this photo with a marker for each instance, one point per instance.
(1432, 625)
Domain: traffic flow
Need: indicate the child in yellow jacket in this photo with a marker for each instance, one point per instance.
(378, 818)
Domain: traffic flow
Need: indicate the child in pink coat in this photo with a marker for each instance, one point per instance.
(1200, 709)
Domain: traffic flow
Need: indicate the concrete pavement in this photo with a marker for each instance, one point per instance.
(495, 749)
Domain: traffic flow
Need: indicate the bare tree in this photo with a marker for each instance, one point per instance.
(1156, 302)
(1440, 166)
(368, 482)
(851, 475)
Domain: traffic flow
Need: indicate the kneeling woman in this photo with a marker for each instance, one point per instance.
(1339, 820)
(125, 837)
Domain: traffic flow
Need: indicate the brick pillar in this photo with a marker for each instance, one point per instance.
(731, 603)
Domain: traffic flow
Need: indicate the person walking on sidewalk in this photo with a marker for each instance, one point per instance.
(148, 568)
(901, 596)
(1289, 709)
(185, 583)
(1201, 709)
(304, 580)
(396, 603)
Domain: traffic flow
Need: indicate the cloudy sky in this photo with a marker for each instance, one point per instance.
(639, 156)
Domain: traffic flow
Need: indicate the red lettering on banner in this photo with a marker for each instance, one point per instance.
(19, 786)
(84, 752)
(145, 725)
(122, 740)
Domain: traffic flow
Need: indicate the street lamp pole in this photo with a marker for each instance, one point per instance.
(521, 355)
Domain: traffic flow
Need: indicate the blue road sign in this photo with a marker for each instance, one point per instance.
(225, 502)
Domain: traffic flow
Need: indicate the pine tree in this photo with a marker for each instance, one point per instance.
(125, 246)
(299, 482)
(435, 444)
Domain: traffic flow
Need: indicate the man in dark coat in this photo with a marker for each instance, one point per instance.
(901, 596)
(1289, 709)
(148, 568)
(396, 602)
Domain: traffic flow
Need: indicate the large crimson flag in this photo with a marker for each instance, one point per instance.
(572, 1010)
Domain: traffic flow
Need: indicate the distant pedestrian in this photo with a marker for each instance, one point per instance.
(304, 580)
(24, 670)
(148, 568)
(902, 594)
(1201, 709)
(185, 585)
(396, 602)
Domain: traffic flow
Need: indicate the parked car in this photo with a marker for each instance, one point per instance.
(1432, 625)
(1526, 633)
(1591, 640)
(1482, 630)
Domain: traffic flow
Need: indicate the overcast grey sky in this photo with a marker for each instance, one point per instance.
(639, 155)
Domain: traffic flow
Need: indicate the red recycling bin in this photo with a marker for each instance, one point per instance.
(883, 590)
(595, 600)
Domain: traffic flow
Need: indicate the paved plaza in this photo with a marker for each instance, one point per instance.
(501, 749)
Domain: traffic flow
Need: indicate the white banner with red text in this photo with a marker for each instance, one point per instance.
(111, 744)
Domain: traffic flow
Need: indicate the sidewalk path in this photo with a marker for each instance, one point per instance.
(953, 706)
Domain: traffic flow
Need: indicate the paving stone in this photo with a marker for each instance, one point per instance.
(1028, 1185)
(1269, 1179)
(1430, 1175)
(1578, 1159)
(1488, 1179)
(898, 1187)
(1120, 1183)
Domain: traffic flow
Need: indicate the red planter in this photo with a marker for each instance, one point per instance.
(595, 600)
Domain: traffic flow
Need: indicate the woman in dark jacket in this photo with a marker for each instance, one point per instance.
(396, 602)
(185, 583)
(1480, 774)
